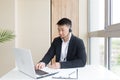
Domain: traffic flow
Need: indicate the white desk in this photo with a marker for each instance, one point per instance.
(89, 72)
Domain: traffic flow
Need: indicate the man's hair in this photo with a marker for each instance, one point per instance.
(65, 21)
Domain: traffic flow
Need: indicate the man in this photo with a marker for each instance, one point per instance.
(69, 50)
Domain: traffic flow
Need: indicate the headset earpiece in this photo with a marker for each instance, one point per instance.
(70, 30)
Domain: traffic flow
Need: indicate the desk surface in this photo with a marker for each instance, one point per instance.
(89, 72)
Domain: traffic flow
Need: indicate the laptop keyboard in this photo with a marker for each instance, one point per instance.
(40, 72)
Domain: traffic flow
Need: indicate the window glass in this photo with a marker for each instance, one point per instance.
(115, 11)
(97, 51)
(115, 55)
(97, 15)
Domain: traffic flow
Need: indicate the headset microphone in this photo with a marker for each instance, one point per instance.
(70, 30)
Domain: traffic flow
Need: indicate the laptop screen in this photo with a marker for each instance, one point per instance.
(24, 63)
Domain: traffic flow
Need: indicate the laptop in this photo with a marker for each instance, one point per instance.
(24, 63)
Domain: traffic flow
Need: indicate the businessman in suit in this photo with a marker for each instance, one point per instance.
(69, 49)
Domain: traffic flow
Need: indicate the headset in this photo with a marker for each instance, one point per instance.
(70, 30)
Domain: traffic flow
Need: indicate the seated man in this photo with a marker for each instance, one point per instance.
(68, 49)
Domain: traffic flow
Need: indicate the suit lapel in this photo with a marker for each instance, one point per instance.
(70, 47)
(58, 51)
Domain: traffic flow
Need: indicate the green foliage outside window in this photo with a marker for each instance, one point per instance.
(118, 60)
(116, 45)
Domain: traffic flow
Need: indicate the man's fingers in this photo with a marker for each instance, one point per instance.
(40, 65)
(37, 66)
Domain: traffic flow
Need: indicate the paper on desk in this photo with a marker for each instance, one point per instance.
(66, 73)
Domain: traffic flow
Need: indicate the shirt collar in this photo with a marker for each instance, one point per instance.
(70, 34)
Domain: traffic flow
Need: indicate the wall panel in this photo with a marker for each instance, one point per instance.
(33, 26)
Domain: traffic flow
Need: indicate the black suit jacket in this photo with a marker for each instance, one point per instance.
(76, 55)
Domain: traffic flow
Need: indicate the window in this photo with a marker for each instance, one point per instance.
(104, 33)
(97, 50)
(97, 15)
(115, 55)
(115, 11)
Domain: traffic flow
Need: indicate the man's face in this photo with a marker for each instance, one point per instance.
(63, 30)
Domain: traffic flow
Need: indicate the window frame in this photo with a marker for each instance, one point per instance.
(110, 31)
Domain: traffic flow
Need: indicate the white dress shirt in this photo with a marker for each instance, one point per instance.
(64, 49)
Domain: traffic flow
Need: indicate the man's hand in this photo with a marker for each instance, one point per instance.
(40, 65)
(55, 65)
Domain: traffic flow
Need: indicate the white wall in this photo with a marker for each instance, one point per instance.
(33, 26)
(7, 21)
(83, 20)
